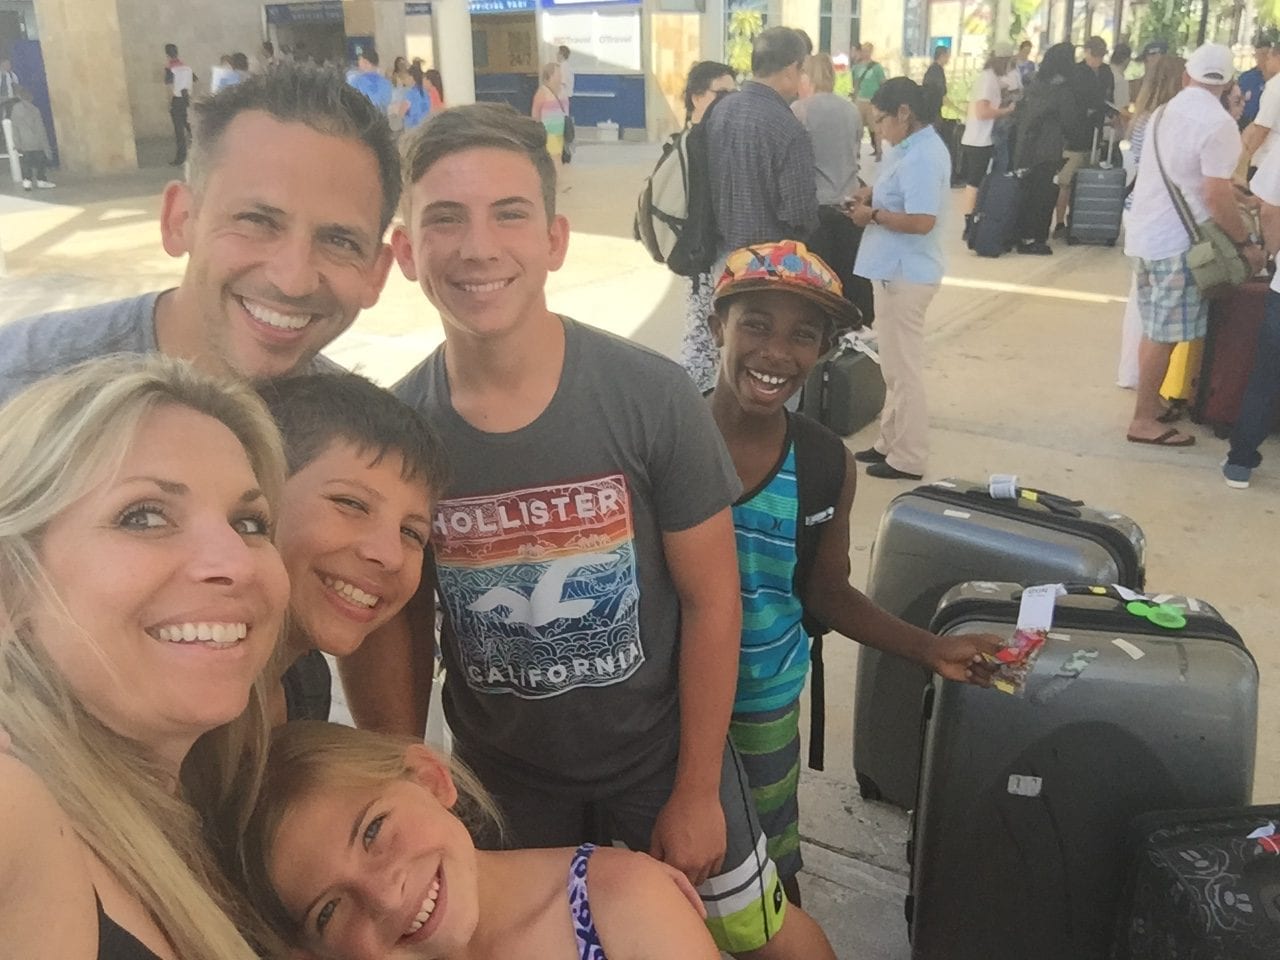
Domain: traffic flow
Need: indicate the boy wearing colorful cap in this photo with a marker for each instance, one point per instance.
(776, 309)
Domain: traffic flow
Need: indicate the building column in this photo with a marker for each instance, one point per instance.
(453, 51)
(841, 26)
(1003, 19)
(93, 119)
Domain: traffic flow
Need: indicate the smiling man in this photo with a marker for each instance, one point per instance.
(583, 552)
(294, 179)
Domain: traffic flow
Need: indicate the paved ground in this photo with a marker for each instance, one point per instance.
(1021, 379)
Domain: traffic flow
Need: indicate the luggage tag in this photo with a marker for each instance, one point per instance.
(1018, 655)
(860, 344)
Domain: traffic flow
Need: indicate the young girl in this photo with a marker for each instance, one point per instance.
(358, 849)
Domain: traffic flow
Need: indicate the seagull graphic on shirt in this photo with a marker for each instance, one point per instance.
(546, 603)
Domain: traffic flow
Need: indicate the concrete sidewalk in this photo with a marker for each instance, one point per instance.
(1021, 378)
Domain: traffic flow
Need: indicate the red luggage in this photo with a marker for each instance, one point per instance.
(1234, 321)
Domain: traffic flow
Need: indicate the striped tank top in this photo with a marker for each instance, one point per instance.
(775, 647)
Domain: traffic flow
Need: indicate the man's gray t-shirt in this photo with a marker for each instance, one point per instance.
(835, 126)
(561, 633)
(33, 348)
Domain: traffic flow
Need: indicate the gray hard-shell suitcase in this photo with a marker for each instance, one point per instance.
(846, 390)
(1019, 834)
(945, 533)
(1097, 200)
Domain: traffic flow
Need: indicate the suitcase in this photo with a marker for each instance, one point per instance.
(1234, 321)
(846, 390)
(1097, 200)
(1200, 888)
(1018, 838)
(942, 534)
(994, 229)
(1183, 376)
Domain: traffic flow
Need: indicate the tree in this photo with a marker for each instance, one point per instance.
(1022, 12)
(1166, 20)
(744, 26)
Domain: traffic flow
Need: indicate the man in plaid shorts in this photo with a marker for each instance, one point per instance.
(1199, 146)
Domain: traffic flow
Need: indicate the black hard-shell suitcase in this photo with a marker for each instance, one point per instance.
(1018, 837)
(1097, 200)
(945, 533)
(846, 390)
(1200, 887)
(994, 229)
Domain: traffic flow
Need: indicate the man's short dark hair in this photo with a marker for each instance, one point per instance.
(808, 41)
(564, 52)
(898, 92)
(1095, 46)
(939, 50)
(318, 97)
(239, 61)
(170, 49)
(268, 48)
(1025, 45)
(370, 54)
(1121, 55)
(314, 412)
(775, 49)
(478, 126)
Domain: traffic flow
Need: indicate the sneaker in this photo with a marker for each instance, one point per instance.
(1036, 248)
(869, 455)
(45, 184)
(26, 184)
(885, 472)
(1237, 477)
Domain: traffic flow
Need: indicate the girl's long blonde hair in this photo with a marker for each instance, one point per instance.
(58, 439)
(1162, 83)
(308, 756)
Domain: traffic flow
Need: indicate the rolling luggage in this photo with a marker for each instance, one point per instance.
(1234, 321)
(1202, 885)
(846, 390)
(1018, 839)
(1097, 199)
(945, 533)
(994, 228)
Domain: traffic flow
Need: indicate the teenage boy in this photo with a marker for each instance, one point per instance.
(294, 179)
(583, 551)
(776, 309)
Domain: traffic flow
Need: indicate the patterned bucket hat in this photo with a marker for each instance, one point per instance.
(788, 265)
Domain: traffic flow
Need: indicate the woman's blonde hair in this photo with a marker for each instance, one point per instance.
(59, 439)
(550, 70)
(821, 71)
(1162, 83)
(306, 758)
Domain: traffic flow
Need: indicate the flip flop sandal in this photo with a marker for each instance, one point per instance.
(1165, 439)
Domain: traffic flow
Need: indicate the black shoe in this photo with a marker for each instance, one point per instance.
(869, 455)
(968, 228)
(885, 472)
(1060, 230)
(1036, 248)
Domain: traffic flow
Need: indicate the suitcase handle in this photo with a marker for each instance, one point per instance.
(1162, 615)
(1054, 503)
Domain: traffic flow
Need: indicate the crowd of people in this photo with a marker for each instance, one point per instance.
(196, 504)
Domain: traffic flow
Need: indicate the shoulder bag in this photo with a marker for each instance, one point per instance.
(1214, 259)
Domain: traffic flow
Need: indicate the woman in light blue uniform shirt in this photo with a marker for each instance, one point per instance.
(901, 254)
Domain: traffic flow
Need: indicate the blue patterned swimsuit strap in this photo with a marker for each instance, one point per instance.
(584, 927)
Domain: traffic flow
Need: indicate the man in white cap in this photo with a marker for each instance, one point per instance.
(1198, 144)
(986, 106)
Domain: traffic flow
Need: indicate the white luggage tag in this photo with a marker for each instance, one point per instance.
(1018, 656)
(860, 344)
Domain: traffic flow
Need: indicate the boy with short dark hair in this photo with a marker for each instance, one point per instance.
(776, 310)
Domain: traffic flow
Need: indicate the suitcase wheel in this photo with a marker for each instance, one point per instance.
(867, 788)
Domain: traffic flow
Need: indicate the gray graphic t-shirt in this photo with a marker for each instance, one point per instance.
(38, 346)
(561, 620)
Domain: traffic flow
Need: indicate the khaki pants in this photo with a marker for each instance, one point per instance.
(904, 423)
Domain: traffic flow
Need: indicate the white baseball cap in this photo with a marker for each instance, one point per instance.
(1211, 63)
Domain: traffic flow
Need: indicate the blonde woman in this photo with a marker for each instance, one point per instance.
(550, 109)
(141, 599)
(1162, 83)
